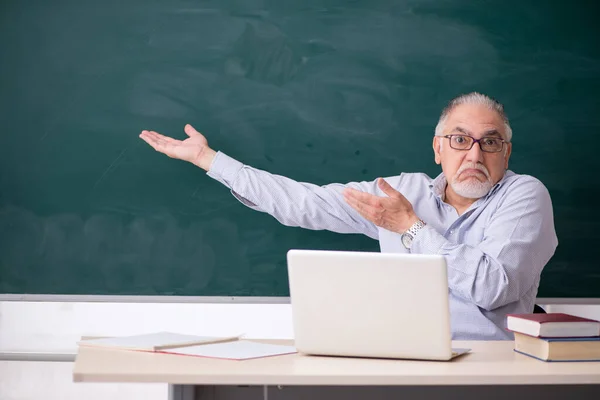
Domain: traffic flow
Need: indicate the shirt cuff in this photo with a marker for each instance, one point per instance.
(224, 169)
(427, 241)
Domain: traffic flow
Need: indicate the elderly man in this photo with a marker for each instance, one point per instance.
(494, 227)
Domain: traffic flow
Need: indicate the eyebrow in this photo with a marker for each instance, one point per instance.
(491, 132)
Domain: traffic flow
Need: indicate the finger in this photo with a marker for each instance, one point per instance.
(144, 134)
(156, 138)
(155, 144)
(163, 138)
(387, 188)
(151, 136)
(152, 141)
(357, 206)
(190, 131)
(161, 144)
(373, 214)
(147, 137)
(376, 219)
(363, 197)
(156, 135)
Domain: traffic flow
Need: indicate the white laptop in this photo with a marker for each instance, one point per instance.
(364, 304)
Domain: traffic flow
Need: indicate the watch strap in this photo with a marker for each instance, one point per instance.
(415, 228)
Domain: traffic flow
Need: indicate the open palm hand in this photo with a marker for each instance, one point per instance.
(193, 149)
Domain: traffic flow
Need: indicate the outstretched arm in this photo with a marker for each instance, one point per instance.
(291, 203)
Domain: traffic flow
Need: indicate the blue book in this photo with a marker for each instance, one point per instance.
(559, 349)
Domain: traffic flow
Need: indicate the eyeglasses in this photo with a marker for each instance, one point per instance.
(486, 144)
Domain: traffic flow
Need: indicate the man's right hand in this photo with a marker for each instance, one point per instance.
(194, 149)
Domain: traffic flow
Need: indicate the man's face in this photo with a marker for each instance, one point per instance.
(472, 173)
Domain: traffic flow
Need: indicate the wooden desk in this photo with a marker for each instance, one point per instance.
(492, 370)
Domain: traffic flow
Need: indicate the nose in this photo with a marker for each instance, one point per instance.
(475, 154)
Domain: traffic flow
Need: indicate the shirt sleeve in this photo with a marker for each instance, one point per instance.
(517, 243)
(293, 203)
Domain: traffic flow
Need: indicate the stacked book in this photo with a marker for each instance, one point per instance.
(555, 336)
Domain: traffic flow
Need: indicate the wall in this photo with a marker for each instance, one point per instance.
(54, 327)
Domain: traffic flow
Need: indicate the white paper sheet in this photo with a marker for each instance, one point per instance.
(237, 350)
(151, 341)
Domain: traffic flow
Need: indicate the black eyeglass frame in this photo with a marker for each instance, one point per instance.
(478, 141)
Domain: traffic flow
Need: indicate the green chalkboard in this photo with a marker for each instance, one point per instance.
(320, 91)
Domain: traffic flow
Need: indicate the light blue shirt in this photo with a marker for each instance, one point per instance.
(495, 251)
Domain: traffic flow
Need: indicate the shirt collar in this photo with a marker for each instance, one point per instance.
(438, 186)
(500, 183)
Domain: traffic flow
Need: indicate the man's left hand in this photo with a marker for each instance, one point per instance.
(394, 213)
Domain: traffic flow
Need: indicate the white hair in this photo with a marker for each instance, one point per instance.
(474, 98)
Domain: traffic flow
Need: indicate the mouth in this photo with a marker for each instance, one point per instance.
(471, 173)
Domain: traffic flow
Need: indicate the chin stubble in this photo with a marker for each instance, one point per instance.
(472, 188)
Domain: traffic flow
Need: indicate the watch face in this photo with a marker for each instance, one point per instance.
(407, 240)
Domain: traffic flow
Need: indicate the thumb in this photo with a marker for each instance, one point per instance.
(387, 188)
(190, 131)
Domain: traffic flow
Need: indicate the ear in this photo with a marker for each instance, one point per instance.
(437, 149)
(507, 154)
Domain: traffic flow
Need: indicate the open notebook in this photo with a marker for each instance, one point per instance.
(232, 347)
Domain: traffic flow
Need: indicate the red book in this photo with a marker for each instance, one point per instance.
(552, 325)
